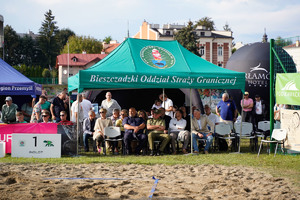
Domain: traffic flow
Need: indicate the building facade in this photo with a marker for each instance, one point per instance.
(214, 46)
(75, 62)
(294, 51)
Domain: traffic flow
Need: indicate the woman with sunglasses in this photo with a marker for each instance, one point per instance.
(100, 124)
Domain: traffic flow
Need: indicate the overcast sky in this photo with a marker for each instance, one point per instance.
(101, 18)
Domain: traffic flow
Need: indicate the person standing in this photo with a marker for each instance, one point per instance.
(259, 111)
(37, 110)
(247, 108)
(58, 105)
(167, 104)
(74, 111)
(86, 106)
(110, 104)
(226, 109)
(9, 110)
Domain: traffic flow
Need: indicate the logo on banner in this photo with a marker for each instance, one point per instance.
(22, 144)
(48, 143)
(258, 68)
(258, 76)
(290, 86)
(157, 57)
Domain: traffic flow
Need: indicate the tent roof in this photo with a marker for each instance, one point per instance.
(12, 82)
(133, 65)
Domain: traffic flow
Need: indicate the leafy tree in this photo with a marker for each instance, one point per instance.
(27, 49)
(207, 22)
(11, 46)
(282, 42)
(107, 39)
(47, 39)
(187, 38)
(46, 73)
(54, 73)
(226, 27)
(63, 36)
(78, 44)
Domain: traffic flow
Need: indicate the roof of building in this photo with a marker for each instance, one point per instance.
(111, 47)
(291, 46)
(80, 59)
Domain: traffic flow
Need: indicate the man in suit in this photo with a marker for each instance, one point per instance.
(88, 129)
(200, 131)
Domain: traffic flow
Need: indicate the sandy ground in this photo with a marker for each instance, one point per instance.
(113, 181)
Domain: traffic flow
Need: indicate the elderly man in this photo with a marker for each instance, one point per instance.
(115, 116)
(200, 131)
(88, 129)
(110, 104)
(58, 104)
(167, 104)
(156, 127)
(134, 129)
(9, 110)
(211, 116)
(227, 110)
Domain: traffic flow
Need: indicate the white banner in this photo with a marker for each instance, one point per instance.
(36, 145)
(290, 120)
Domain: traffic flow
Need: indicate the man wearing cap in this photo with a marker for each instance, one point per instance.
(9, 110)
(156, 127)
(259, 110)
(247, 106)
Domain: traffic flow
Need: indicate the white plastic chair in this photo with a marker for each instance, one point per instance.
(111, 133)
(278, 136)
(224, 131)
(246, 133)
(262, 126)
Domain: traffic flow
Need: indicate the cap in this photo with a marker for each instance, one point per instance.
(8, 99)
(246, 93)
(256, 96)
(156, 111)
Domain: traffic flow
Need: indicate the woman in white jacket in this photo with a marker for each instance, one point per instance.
(177, 131)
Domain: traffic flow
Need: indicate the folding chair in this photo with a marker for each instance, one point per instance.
(278, 136)
(247, 129)
(224, 131)
(112, 134)
(263, 127)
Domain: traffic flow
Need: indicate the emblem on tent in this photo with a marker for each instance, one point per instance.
(157, 57)
(290, 86)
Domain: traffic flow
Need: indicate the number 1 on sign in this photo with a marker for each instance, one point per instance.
(35, 140)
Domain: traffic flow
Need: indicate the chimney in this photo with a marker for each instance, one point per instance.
(83, 52)
(297, 43)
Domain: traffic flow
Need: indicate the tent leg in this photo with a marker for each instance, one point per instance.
(191, 110)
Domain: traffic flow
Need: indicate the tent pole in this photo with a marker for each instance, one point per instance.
(77, 121)
(209, 98)
(241, 125)
(191, 110)
(163, 103)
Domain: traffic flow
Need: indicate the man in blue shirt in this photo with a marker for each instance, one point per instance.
(134, 129)
(226, 109)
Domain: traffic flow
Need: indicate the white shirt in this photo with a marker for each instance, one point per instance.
(86, 106)
(167, 104)
(110, 106)
(74, 110)
(175, 124)
(258, 108)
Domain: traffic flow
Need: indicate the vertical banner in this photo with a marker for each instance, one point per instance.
(290, 120)
(288, 88)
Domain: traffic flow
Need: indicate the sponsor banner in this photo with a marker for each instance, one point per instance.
(288, 88)
(6, 131)
(36, 145)
(68, 139)
(290, 120)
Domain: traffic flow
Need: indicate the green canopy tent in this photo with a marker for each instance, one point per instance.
(140, 63)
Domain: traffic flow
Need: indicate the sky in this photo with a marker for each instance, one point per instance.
(99, 19)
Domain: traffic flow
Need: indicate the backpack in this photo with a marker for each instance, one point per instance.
(223, 146)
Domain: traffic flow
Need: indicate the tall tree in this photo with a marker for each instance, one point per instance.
(187, 38)
(226, 27)
(207, 22)
(78, 44)
(282, 42)
(11, 46)
(63, 36)
(47, 39)
(107, 39)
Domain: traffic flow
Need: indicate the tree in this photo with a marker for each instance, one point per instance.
(207, 22)
(11, 46)
(78, 44)
(107, 39)
(282, 42)
(187, 38)
(46, 73)
(63, 36)
(47, 40)
(27, 50)
(226, 27)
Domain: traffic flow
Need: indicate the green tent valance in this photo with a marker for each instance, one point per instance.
(140, 63)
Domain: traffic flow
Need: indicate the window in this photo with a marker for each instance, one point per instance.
(202, 33)
(220, 64)
(168, 33)
(220, 51)
(201, 51)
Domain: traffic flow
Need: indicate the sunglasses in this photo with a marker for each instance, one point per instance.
(45, 115)
(102, 112)
(62, 115)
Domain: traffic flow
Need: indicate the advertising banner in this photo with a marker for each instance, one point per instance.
(288, 88)
(290, 120)
(6, 131)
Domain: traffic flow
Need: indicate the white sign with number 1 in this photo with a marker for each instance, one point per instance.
(36, 145)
